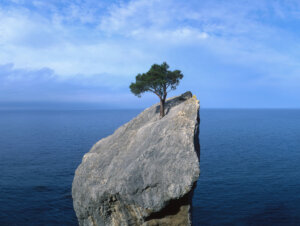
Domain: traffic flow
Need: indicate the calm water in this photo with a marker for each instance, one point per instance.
(250, 165)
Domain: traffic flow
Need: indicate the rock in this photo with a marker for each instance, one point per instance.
(145, 173)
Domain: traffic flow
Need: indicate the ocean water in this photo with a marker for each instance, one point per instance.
(250, 168)
(250, 165)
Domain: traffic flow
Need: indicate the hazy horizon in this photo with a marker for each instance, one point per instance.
(83, 106)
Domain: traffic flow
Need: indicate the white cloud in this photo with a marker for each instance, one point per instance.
(154, 20)
(30, 40)
(86, 37)
(134, 15)
(179, 36)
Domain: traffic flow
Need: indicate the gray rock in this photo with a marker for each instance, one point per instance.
(145, 173)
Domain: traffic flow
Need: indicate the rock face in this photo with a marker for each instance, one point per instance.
(145, 173)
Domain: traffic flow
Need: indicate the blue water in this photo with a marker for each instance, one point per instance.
(250, 171)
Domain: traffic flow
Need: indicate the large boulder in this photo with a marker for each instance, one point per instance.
(144, 173)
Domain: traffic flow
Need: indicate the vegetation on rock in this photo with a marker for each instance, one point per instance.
(158, 80)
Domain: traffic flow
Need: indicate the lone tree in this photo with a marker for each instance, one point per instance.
(158, 80)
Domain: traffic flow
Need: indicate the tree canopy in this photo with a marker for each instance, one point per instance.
(158, 80)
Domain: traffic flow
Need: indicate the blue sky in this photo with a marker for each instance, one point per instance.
(233, 54)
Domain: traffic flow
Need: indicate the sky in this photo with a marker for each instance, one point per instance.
(233, 53)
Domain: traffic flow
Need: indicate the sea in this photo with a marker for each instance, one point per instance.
(249, 161)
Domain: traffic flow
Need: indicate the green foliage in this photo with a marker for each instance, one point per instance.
(158, 80)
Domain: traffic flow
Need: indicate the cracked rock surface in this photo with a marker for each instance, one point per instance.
(144, 173)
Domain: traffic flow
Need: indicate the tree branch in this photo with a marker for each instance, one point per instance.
(153, 91)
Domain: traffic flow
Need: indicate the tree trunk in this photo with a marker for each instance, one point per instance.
(162, 108)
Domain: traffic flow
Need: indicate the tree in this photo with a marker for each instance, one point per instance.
(158, 80)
